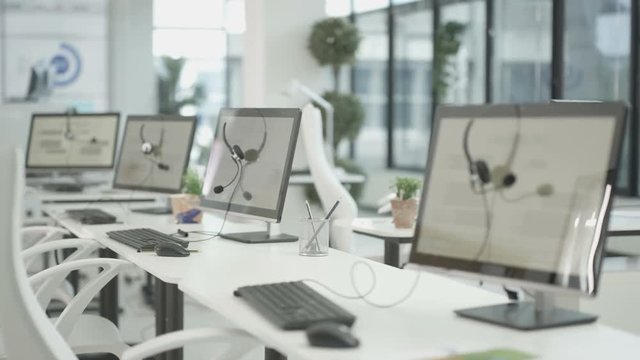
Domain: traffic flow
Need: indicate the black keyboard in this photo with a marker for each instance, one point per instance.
(91, 216)
(143, 239)
(293, 305)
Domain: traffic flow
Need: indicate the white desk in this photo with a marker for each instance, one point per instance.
(424, 326)
(93, 194)
(623, 222)
(344, 178)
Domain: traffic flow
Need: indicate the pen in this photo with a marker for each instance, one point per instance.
(313, 227)
(333, 208)
(315, 234)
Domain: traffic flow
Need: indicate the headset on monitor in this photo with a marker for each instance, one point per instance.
(242, 158)
(501, 176)
(68, 133)
(151, 150)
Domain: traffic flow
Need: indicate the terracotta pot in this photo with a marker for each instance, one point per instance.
(404, 212)
(182, 204)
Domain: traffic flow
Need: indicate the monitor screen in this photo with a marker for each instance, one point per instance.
(250, 162)
(155, 153)
(520, 192)
(78, 141)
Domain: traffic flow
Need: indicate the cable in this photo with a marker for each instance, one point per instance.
(363, 295)
(488, 223)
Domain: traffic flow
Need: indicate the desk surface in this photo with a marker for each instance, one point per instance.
(93, 194)
(381, 227)
(423, 327)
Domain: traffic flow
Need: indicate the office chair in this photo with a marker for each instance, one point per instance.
(326, 182)
(30, 334)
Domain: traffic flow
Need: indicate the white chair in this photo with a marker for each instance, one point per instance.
(326, 182)
(30, 334)
(33, 235)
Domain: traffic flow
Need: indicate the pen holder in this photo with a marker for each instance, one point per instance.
(314, 239)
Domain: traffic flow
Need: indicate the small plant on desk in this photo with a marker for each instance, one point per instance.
(405, 206)
(186, 206)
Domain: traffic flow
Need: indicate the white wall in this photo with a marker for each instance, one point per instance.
(275, 50)
(132, 79)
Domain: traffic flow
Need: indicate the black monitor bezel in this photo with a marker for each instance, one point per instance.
(73, 168)
(192, 119)
(511, 273)
(256, 212)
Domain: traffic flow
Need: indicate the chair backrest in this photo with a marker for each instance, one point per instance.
(325, 180)
(28, 333)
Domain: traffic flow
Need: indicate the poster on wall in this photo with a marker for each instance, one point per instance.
(56, 52)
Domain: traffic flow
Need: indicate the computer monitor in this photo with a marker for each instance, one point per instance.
(520, 195)
(154, 153)
(72, 142)
(249, 167)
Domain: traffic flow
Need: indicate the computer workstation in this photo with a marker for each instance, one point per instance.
(64, 147)
(522, 183)
(154, 156)
(520, 195)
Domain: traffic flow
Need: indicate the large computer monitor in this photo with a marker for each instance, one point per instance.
(72, 142)
(520, 195)
(249, 167)
(154, 154)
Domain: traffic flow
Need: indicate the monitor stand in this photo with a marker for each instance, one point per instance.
(526, 315)
(271, 235)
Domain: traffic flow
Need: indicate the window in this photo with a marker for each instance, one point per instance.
(597, 50)
(466, 84)
(197, 31)
(522, 58)
(413, 62)
(370, 84)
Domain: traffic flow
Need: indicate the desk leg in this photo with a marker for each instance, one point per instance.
(392, 253)
(109, 307)
(169, 314)
(271, 354)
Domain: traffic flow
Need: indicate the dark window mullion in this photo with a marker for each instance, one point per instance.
(634, 96)
(489, 50)
(390, 84)
(436, 26)
(557, 48)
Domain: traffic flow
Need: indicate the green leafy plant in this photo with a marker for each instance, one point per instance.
(334, 42)
(406, 187)
(170, 97)
(448, 40)
(191, 183)
(348, 116)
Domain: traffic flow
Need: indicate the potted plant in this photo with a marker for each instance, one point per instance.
(405, 206)
(186, 206)
(334, 42)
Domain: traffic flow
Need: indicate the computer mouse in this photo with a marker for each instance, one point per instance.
(331, 335)
(170, 249)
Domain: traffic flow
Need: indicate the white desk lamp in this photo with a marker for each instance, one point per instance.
(294, 87)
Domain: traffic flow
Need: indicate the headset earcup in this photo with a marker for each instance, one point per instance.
(482, 170)
(146, 148)
(251, 155)
(508, 180)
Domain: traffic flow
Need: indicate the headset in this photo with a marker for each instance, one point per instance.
(242, 158)
(68, 134)
(151, 150)
(501, 176)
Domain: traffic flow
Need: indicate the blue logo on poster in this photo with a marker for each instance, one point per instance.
(66, 64)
